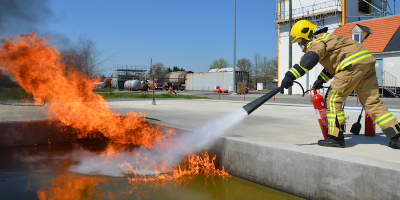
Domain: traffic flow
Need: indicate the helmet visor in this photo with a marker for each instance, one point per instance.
(298, 39)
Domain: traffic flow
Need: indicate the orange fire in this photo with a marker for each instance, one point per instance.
(192, 165)
(71, 186)
(38, 69)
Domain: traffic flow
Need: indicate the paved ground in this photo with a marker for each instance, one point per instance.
(280, 122)
(291, 99)
(285, 123)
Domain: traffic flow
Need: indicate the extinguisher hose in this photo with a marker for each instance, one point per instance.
(359, 117)
(300, 86)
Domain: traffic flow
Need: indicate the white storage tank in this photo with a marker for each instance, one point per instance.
(260, 86)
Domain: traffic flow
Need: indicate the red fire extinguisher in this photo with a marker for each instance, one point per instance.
(369, 126)
(320, 110)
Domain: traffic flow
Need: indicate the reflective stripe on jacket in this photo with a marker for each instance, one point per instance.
(337, 53)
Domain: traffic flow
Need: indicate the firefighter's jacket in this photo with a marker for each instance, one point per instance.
(336, 53)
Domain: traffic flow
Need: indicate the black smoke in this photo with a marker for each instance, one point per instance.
(27, 16)
(23, 16)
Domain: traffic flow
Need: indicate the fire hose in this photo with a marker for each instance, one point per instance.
(252, 106)
(319, 104)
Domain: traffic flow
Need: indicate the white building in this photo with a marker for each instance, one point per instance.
(331, 14)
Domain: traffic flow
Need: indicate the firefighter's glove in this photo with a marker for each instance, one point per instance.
(318, 84)
(286, 83)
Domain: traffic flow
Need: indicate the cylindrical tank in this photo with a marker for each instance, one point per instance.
(126, 85)
(369, 126)
(114, 82)
(320, 110)
(176, 77)
(107, 82)
(132, 85)
(144, 87)
(135, 84)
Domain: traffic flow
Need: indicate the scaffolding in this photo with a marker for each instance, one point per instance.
(313, 13)
(377, 15)
(133, 71)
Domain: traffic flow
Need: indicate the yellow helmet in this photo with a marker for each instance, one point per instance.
(302, 29)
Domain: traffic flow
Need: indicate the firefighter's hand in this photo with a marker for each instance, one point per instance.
(318, 84)
(286, 83)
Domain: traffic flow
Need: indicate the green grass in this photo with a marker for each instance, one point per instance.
(103, 90)
(19, 93)
(14, 94)
(147, 96)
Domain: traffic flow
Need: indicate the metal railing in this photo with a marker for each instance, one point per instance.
(377, 15)
(307, 10)
(389, 83)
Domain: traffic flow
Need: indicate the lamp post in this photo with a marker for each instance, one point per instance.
(290, 40)
(234, 47)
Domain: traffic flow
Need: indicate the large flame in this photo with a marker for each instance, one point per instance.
(38, 69)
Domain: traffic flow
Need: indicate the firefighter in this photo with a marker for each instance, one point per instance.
(353, 67)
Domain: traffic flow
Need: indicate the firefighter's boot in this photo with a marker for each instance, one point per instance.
(394, 137)
(333, 141)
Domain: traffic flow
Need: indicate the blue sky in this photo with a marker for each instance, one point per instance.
(184, 33)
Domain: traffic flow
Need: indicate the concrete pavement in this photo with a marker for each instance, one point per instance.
(276, 146)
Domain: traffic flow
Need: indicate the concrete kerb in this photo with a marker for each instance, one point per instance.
(309, 173)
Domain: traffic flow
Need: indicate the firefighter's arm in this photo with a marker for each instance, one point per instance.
(323, 77)
(307, 62)
(315, 53)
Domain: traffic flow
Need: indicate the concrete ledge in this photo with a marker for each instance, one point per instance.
(306, 172)
(20, 133)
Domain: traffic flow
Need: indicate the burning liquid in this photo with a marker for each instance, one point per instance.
(45, 175)
(68, 94)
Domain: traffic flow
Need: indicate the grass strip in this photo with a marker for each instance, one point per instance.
(103, 90)
(14, 94)
(147, 96)
(19, 93)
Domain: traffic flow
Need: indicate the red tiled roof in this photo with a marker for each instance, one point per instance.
(382, 31)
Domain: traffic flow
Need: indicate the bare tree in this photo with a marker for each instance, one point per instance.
(85, 56)
(158, 71)
(256, 68)
(264, 70)
(273, 68)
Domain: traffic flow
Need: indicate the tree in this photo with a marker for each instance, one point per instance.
(176, 69)
(218, 64)
(85, 56)
(244, 64)
(264, 70)
(256, 68)
(158, 71)
(273, 68)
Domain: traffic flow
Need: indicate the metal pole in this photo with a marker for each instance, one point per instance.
(234, 47)
(154, 97)
(290, 40)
